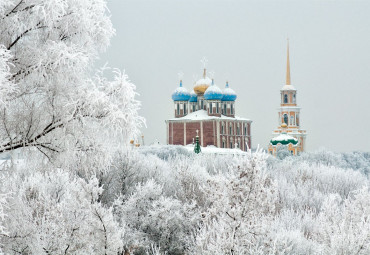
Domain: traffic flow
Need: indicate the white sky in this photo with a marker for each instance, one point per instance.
(245, 43)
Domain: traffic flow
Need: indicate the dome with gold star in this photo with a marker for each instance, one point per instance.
(202, 85)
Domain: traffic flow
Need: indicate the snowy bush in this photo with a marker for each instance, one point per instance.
(164, 151)
(54, 212)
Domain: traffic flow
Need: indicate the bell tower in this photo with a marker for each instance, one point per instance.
(289, 112)
(288, 106)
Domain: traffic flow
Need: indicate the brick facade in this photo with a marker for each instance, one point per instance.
(210, 133)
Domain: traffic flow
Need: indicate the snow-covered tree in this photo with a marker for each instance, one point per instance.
(48, 48)
(151, 218)
(57, 213)
(241, 206)
(345, 225)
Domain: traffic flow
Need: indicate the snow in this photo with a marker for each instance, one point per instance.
(288, 87)
(214, 89)
(204, 81)
(213, 93)
(214, 150)
(229, 91)
(203, 115)
(283, 137)
(181, 90)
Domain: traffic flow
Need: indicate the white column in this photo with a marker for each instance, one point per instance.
(218, 123)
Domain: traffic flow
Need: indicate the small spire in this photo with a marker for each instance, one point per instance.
(213, 81)
(180, 83)
(227, 84)
(204, 61)
(288, 66)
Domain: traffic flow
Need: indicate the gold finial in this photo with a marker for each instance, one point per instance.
(288, 66)
(204, 73)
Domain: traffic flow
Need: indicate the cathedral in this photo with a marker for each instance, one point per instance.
(288, 132)
(209, 111)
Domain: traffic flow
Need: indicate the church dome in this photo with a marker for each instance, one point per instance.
(202, 85)
(180, 94)
(229, 93)
(284, 138)
(193, 97)
(213, 92)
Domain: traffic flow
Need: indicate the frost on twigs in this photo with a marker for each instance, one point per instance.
(52, 105)
(241, 204)
(58, 213)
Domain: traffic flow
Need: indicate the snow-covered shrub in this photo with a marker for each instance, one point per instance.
(282, 152)
(304, 184)
(55, 212)
(345, 224)
(153, 219)
(164, 151)
(241, 205)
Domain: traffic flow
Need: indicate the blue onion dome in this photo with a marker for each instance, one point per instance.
(229, 93)
(284, 138)
(180, 94)
(213, 92)
(193, 97)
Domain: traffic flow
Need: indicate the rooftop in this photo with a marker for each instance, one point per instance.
(203, 115)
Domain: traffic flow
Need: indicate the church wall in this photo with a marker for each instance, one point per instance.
(208, 133)
(169, 133)
(178, 133)
(191, 131)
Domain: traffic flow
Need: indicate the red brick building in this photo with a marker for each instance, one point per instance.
(212, 112)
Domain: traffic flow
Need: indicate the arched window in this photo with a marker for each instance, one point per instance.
(294, 98)
(210, 107)
(193, 107)
(222, 128)
(217, 108)
(297, 119)
(201, 104)
(225, 109)
(292, 120)
(286, 119)
(184, 109)
(230, 130)
(231, 109)
(285, 99)
(178, 109)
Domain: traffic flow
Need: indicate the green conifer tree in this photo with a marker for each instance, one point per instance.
(197, 148)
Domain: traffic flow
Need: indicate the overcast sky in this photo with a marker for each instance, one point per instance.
(245, 43)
